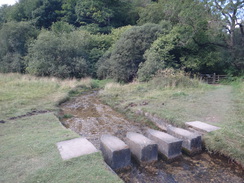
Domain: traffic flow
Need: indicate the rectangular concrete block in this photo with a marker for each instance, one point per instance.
(115, 152)
(168, 146)
(75, 147)
(202, 127)
(144, 149)
(192, 142)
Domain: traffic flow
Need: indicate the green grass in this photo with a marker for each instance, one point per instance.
(230, 139)
(220, 105)
(28, 151)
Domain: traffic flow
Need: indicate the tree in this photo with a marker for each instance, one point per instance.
(3, 14)
(59, 54)
(127, 54)
(47, 13)
(102, 15)
(232, 12)
(192, 44)
(14, 40)
(157, 11)
(68, 12)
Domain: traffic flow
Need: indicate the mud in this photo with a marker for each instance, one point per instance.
(32, 113)
(90, 118)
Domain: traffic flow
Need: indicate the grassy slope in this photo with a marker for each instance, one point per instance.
(230, 139)
(28, 150)
(217, 105)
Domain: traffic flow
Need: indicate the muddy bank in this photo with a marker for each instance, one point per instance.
(87, 116)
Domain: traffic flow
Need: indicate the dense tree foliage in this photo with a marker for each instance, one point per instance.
(59, 54)
(121, 39)
(14, 41)
(233, 18)
(128, 51)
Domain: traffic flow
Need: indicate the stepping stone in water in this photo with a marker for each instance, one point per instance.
(168, 146)
(144, 149)
(192, 142)
(202, 127)
(75, 148)
(115, 152)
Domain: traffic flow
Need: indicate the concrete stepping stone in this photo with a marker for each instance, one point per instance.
(192, 142)
(144, 149)
(202, 127)
(115, 152)
(74, 148)
(168, 146)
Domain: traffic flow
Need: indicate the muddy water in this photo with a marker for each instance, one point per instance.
(90, 118)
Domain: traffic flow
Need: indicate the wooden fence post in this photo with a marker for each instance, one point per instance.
(214, 78)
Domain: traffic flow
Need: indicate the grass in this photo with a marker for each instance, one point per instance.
(230, 139)
(28, 150)
(180, 100)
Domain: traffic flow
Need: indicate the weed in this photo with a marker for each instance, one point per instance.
(67, 116)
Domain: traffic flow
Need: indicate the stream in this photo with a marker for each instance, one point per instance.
(90, 118)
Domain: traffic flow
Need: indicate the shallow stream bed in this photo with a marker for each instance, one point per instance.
(87, 116)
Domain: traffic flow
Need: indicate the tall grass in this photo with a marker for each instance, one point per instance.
(170, 78)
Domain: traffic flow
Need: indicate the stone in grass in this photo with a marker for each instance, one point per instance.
(74, 148)
(168, 146)
(192, 142)
(202, 127)
(144, 149)
(115, 152)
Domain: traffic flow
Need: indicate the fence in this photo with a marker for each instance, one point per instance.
(212, 78)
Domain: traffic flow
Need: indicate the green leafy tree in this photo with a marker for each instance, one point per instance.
(4, 14)
(62, 55)
(47, 13)
(163, 10)
(128, 51)
(232, 13)
(62, 27)
(159, 56)
(68, 12)
(14, 40)
(193, 44)
(102, 15)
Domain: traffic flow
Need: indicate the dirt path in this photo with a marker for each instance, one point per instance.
(217, 104)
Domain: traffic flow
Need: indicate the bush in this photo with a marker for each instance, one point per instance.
(127, 53)
(14, 40)
(170, 78)
(62, 55)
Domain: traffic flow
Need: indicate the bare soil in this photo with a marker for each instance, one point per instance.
(90, 118)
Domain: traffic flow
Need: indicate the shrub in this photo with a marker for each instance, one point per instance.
(127, 53)
(62, 55)
(173, 78)
(14, 40)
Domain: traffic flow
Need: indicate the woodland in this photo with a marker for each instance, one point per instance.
(124, 40)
